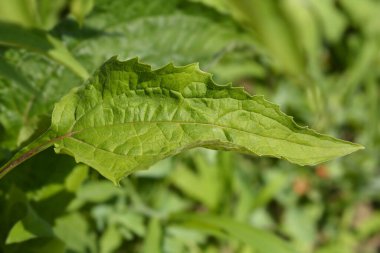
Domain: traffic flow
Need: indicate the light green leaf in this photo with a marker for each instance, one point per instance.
(153, 239)
(332, 21)
(75, 179)
(260, 240)
(208, 178)
(30, 226)
(75, 231)
(80, 8)
(19, 11)
(269, 26)
(110, 240)
(42, 14)
(220, 5)
(37, 245)
(49, 12)
(127, 117)
(18, 233)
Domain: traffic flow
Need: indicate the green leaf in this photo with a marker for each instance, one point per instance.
(42, 14)
(30, 84)
(110, 240)
(206, 175)
(153, 239)
(127, 117)
(127, 28)
(270, 28)
(37, 245)
(49, 12)
(42, 42)
(332, 21)
(29, 227)
(19, 11)
(80, 8)
(75, 231)
(13, 208)
(260, 240)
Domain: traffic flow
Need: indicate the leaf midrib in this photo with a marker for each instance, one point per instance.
(255, 112)
(194, 123)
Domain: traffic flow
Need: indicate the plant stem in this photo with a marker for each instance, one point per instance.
(43, 142)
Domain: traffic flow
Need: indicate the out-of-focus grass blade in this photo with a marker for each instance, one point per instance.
(332, 21)
(362, 67)
(43, 14)
(260, 240)
(18, 11)
(152, 241)
(270, 28)
(42, 42)
(80, 8)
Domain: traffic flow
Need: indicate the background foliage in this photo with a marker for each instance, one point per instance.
(318, 59)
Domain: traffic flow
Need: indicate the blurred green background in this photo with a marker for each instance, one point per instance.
(318, 59)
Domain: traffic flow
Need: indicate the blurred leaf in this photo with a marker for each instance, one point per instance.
(351, 79)
(76, 177)
(332, 21)
(9, 71)
(364, 14)
(236, 65)
(305, 29)
(167, 201)
(269, 27)
(110, 240)
(97, 191)
(207, 177)
(274, 183)
(53, 207)
(337, 247)
(260, 240)
(39, 41)
(301, 224)
(130, 220)
(30, 226)
(12, 209)
(158, 170)
(191, 36)
(19, 234)
(127, 27)
(19, 12)
(26, 101)
(73, 229)
(80, 8)
(152, 242)
(46, 192)
(220, 5)
(30, 13)
(37, 245)
(48, 12)
(184, 239)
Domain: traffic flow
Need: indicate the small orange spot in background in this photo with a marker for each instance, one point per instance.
(322, 171)
(301, 186)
